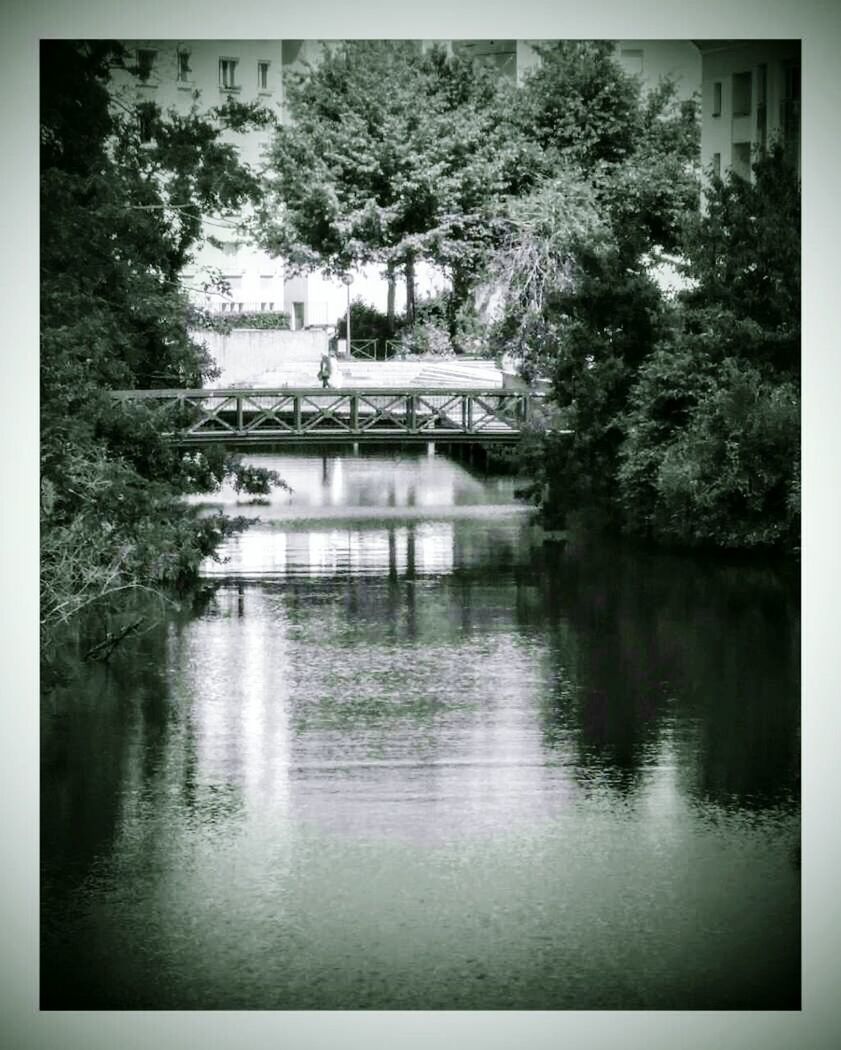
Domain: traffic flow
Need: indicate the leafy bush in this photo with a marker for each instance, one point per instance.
(429, 338)
(366, 322)
(277, 319)
(711, 455)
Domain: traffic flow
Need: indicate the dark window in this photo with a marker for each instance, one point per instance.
(631, 59)
(761, 107)
(145, 62)
(717, 98)
(793, 82)
(742, 94)
(790, 110)
(145, 122)
(228, 73)
(262, 76)
(184, 70)
(741, 160)
(717, 165)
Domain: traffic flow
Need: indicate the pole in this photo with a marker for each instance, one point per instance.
(348, 321)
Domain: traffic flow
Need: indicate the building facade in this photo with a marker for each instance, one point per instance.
(750, 97)
(652, 60)
(180, 74)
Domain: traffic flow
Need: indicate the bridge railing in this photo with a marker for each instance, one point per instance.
(198, 416)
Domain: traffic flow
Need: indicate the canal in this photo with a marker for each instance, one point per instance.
(406, 755)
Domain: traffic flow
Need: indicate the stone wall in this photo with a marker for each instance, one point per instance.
(247, 353)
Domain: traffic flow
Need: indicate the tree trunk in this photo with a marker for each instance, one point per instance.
(410, 288)
(457, 297)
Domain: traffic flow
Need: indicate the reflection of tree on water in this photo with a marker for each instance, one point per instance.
(643, 642)
(495, 696)
(103, 740)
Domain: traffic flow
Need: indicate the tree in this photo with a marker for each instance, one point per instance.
(392, 156)
(578, 105)
(576, 297)
(122, 198)
(743, 255)
(711, 452)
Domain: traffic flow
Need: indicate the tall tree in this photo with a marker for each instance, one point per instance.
(392, 156)
(576, 295)
(123, 192)
(711, 447)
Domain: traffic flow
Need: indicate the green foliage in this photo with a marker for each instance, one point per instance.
(120, 215)
(711, 453)
(393, 155)
(570, 293)
(431, 333)
(579, 104)
(429, 338)
(744, 253)
(366, 322)
(686, 415)
(276, 319)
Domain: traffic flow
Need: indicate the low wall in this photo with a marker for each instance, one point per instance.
(246, 353)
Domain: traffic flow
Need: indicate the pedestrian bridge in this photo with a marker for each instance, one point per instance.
(375, 416)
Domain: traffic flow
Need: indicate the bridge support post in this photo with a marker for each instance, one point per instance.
(430, 448)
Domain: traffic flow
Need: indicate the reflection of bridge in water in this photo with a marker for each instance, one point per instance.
(375, 416)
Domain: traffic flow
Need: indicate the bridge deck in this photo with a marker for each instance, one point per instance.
(381, 415)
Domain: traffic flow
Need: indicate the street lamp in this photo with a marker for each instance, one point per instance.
(347, 280)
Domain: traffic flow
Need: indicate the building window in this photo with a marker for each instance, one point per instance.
(183, 71)
(262, 76)
(631, 60)
(790, 111)
(717, 165)
(792, 79)
(145, 62)
(228, 74)
(741, 94)
(145, 123)
(717, 98)
(762, 107)
(741, 160)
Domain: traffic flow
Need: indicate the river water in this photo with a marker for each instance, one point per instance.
(408, 756)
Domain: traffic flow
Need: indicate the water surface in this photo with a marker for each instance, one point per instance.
(408, 756)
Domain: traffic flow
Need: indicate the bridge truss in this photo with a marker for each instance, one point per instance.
(270, 416)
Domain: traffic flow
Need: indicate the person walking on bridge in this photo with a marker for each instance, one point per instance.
(325, 370)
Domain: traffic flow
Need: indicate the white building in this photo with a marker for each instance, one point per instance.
(750, 96)
(179, 74)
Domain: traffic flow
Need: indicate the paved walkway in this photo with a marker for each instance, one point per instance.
(425, 373)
